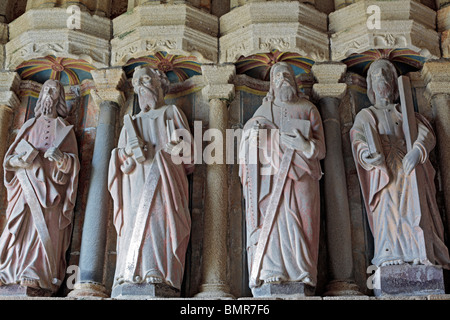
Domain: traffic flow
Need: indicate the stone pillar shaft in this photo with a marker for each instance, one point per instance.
(441, 113)
(214, 263)
(92, 255)
(339, 240)
(216, 212)
(328, 91)
(109, 97)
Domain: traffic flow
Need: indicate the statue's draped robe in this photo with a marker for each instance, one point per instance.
(165, 240)
(22, 254)
(395, 221)
(292, 248)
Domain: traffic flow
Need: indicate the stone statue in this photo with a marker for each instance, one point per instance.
(149, 187)
(281, 187)
(41, 177)
(402, 233)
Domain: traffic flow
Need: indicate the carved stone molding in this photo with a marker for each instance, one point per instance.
(42, 32)
(219, 81)
(265, 26)
(176, 29)
(9, 86)
(109, 84)
(404, 24)
(436, 75)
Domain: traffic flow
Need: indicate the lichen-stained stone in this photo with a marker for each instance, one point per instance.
(42, 32)
(176, 29)
(443, 24)
(265, 26)
(403, 24)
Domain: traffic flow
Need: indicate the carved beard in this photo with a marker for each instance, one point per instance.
(147, 98)
(285, 92)
(47, 105)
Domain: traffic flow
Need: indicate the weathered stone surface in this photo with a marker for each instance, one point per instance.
(409, 280)
(143, 291)
(287, 26)
(283, 289)
(404, 24)
(14, 291)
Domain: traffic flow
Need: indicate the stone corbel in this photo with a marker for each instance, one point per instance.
(218, 79)
(436, 75)
(109, 85)
(329, 77)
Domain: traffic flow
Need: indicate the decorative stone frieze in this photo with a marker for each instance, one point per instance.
(265, 26)
(403, 24)
(176, 29)
(43, 32)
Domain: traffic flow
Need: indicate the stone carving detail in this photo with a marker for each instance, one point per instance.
(274, 43)
(281, 188)
(150, 193)
(404, 232)
(41, 176)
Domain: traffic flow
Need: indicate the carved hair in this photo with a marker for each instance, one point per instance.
(161, 76)
(271, 94)
(383, 63)
(61, 105)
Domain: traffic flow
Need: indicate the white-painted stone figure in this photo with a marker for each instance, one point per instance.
(281, 184)
(41, 177)
(404, 232)
(150, 191)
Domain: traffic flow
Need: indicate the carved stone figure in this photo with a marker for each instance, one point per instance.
(281, 187)
(404, 231)
(41, 177)
(149, 186)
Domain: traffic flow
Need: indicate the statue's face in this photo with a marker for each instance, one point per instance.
(50, 96)
(284, 84)
(383, 83)
(148, 88)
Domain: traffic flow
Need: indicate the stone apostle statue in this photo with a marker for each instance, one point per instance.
(281, 187)
(41, 177)
(402, 233)
(149, 187)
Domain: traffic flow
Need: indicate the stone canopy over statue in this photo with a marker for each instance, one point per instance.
(280, 176)
(41, 177)
(149, 187)
(405, 231)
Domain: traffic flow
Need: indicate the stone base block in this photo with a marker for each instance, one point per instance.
(409, 280)
(16, 290)
(144, 291)
(283, 289)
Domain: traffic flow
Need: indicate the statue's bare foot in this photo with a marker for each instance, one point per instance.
(274, 280)
(154, 280)
(28, 282)
(392, 262)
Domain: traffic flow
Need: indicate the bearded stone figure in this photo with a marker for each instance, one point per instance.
(280, 172)
(149, 186)
(403, 231)
(41, 177)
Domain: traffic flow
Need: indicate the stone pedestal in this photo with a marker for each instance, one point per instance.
(283, 289)
(408, 280)
(144, 291)
(21, 291)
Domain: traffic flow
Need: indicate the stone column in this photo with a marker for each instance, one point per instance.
(436, 75)
(214, 263)
(328, 91)
(98, 205)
